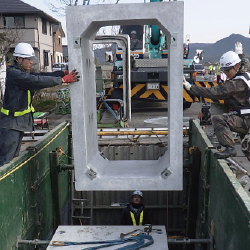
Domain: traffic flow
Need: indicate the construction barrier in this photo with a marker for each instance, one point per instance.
(140, 91)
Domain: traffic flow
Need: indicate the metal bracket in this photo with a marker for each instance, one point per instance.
(91, 174)
(165, 173)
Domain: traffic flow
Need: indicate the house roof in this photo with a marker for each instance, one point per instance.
(56, 27)
(19, 7)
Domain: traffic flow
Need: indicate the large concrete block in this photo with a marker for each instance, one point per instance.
(93, 172)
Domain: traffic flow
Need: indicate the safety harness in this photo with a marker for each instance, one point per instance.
(20, 113)
(246, 78)
(133, 218)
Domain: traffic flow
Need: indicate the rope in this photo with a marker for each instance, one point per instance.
(33, 156)
(110, 109)
(160, 139)
(139, 243)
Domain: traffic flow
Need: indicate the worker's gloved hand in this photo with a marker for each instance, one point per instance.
(72, 77)
(186, 84)
(238, 48)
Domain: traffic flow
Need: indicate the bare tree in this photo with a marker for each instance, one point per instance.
(60, 8)
(7, 39)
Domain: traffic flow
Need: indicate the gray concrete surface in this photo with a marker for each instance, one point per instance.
(93, 172)
(152, 110)
(104, 233)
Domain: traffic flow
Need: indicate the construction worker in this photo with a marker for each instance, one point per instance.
(133, 40)
(135, 213)
(235, 92)
(217, 72)
(210, 68)
(17, 110)
(245, 65)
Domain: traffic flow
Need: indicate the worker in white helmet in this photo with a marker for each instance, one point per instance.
(133, 40)
(135, 212)
(16, 112)
(236, 93)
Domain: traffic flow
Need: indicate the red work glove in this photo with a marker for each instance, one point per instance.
(72, 77)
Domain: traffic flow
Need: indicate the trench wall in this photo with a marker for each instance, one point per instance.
(223, 205)
(26, 202)
(25, 191)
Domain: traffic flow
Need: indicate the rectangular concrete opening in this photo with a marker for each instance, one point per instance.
(93, 172)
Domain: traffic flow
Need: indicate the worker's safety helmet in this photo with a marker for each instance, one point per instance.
(133, 32)
(24, 50)
(228, 60)
(137, 192)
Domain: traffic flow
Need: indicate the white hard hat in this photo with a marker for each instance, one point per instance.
(228, 60)
(137, 192)
(24, 50)
(133, 32)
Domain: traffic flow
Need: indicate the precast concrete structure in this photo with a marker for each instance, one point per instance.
(92, 171)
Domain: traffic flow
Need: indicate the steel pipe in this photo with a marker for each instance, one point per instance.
(189, 241)
(63, 167)
(54, 176)
(32, 242)
(137, 132)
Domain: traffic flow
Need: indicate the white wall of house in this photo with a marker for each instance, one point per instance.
(46, 45)
(40, 37)
(58, 57)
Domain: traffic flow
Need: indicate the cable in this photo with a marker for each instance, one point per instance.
(19, 166)
(110, 109)
(139, 243)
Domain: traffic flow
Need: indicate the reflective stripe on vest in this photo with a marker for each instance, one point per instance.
(245, 77)
(20, 113)
(134, 221)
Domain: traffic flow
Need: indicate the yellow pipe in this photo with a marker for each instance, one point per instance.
(137, 132)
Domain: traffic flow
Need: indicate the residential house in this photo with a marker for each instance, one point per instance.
(65, 53)
(34, 26)
(58, 34)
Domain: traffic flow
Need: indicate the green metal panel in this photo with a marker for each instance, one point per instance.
(25, 193)
(222, 200)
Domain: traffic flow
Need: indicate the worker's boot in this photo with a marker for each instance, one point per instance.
(228, 152)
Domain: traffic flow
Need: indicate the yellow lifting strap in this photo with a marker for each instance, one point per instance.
(20, 113)
(134, 221)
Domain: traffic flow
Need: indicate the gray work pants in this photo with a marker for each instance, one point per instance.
(10, 144)
(226, 123)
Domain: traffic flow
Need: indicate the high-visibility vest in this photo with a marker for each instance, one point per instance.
(134, 221)
(246, 78)
(20, 113)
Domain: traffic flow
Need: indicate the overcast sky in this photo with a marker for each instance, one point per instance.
(205, 21)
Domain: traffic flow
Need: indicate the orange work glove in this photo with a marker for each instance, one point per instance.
(72, 77)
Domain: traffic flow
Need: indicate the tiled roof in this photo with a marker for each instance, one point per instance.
(17, 6)
(55, 27)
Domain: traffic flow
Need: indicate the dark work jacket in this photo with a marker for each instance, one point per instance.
(126, 216)
(18, 82)
(233, 91)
